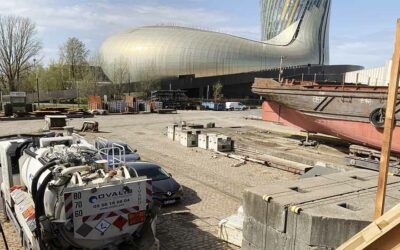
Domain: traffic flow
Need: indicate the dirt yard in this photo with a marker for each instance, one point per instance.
(212, 184)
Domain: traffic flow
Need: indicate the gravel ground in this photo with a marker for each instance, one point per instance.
(213, 187)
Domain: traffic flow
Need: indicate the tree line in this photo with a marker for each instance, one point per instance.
(21, 64)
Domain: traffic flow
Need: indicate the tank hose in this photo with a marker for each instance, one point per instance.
(39, 205)
(35, 179)
(34, 155)
(22, 147)
(30, 153)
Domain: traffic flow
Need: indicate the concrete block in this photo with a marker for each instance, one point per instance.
(203, 141)
(55, 122)
(333, 208)
(219, 143)
(210, 125)
(230, 229)
(254, 206)
(189, 138)
(246, 245)
(276, 240)
(333, 221)
(280, 195)
(319, 171)
(254, 232)
(178, 131)
(284, 194)
(171, 131)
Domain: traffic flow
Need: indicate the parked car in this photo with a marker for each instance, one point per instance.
(213, 106)
(235, 106)
(109, 148)
(165, 188)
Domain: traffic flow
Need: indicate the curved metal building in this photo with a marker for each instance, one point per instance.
(295, 30)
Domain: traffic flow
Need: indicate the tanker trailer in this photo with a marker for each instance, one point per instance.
(60, 194)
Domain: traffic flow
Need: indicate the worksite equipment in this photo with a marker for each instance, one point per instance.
(15, 103)
(60, 194)
(90, 126)
(55, 122)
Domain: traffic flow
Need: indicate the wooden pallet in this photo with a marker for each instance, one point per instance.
(382, 234)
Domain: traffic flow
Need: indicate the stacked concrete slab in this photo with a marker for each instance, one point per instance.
(314, 213)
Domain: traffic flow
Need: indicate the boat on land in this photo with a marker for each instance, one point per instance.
(352, 112)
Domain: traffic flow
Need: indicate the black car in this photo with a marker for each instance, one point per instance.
(165, 188)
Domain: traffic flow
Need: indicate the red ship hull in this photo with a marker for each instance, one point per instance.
(358, 132)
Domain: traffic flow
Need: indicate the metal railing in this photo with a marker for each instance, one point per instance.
(115, 154)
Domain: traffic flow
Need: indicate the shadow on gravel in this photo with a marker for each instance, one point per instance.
(183, 230)
(189, 198)
(178, 228)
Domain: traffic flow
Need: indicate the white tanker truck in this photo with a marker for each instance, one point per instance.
(60, 194)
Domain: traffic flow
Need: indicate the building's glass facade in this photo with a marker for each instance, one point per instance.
(278, 15)
(296, 30)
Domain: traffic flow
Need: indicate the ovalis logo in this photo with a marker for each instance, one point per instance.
(95, 198)
(92, 199)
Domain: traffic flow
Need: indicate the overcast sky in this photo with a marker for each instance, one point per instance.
(361, 31)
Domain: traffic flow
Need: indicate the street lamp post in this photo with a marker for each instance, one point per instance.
(37, 82)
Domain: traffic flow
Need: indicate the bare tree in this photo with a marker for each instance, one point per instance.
(74, 54)
(149, 79)
(18, 45)
(217, 91)
(120, 73)
(93, 74)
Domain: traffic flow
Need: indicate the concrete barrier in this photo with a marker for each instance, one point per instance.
(203, 141)
(219, 143)
(171, 131)
(189, 138)
(313, 213)
(178, 130)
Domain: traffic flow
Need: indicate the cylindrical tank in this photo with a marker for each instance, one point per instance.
(29, 167)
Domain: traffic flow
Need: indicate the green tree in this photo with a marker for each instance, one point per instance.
(53, 77)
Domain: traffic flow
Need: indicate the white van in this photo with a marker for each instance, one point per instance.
(235, 106)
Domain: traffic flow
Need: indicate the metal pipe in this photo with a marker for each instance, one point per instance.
(72, 170)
